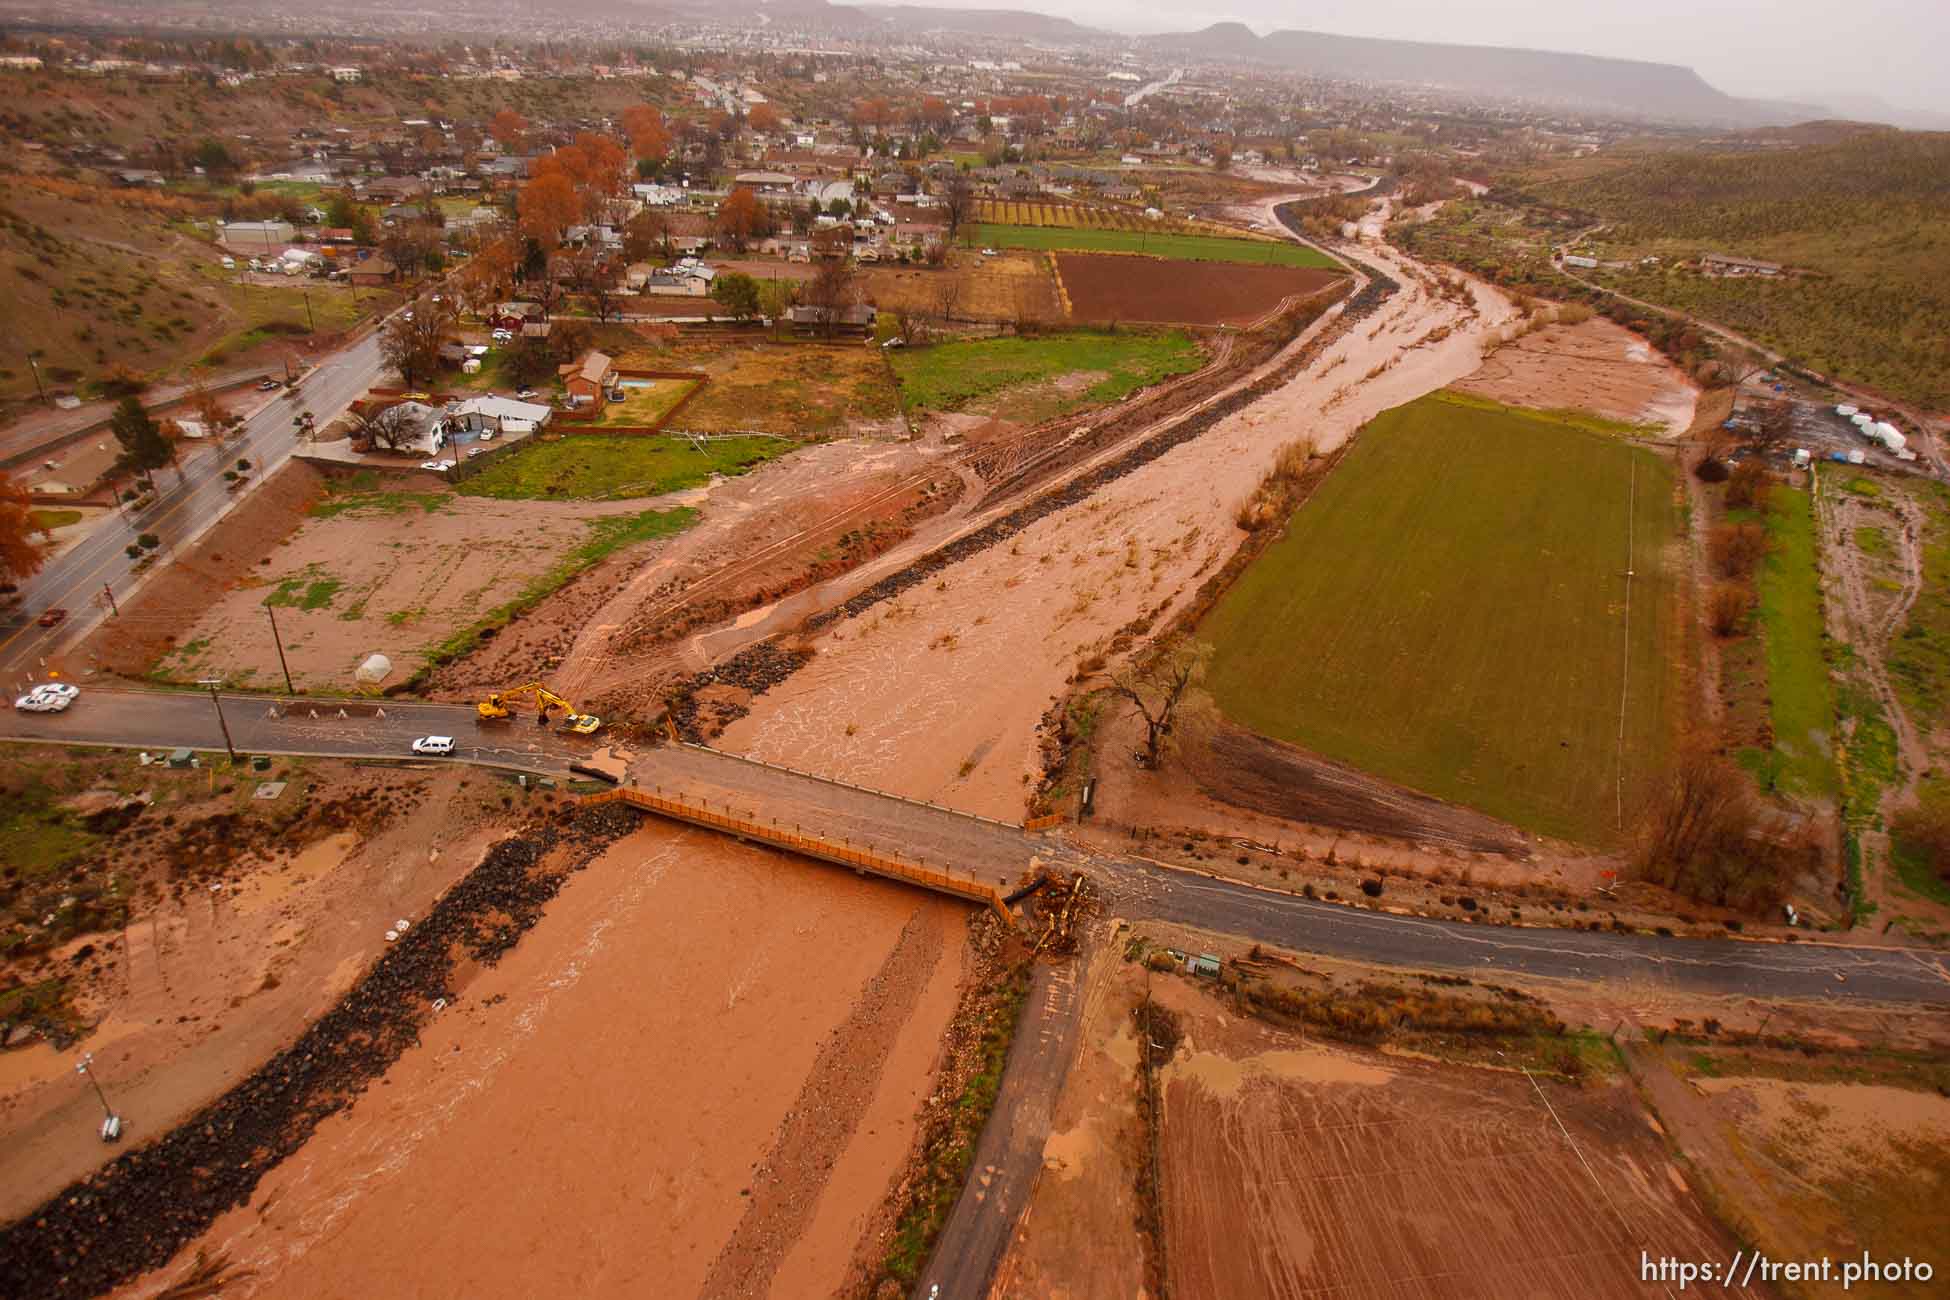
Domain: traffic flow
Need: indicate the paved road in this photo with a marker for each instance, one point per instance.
(182, 510)
(1009, 1153)
(43, 426)
(1712, 966)
(1131, 886)
(164, 720)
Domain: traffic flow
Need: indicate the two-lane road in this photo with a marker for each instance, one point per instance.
(182, 509)
(165, 720)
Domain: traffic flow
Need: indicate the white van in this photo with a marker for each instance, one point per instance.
(229, 263)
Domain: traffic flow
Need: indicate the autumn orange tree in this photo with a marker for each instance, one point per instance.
(508, 127)
(763, 117)
(19, 556)
(650, 137)
(548, 207)
(742, 218)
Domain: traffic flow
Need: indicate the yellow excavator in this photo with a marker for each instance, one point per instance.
(499, 707)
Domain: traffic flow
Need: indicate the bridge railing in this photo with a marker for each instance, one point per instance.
(843, 852)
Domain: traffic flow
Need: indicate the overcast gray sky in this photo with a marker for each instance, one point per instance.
(1898, 50)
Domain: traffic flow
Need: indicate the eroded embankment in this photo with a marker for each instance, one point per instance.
(764, 665)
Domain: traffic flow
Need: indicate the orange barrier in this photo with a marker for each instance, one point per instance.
(812, 846)
(1044, 823)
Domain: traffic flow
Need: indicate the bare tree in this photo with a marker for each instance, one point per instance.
(1165, 691)
(830, 292)
(390, 427)
(606, 291)
(411, 341)
(957, 201)
(947, 297)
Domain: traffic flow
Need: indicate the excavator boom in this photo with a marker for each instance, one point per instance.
(500, 705)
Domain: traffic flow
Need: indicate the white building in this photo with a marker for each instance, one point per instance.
(347, 74)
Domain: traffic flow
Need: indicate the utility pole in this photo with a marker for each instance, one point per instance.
(213, 683)
(35, 366)
(309, 318)
(289, 689)
(111, 1122)
(109, 592)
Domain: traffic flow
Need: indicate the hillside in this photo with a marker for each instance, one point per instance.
(99, 281)
(1661, 90)
(1863, 220)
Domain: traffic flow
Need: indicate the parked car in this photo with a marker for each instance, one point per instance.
(434, 745)
(49, 697)
(524, 392)
(431, 464)
(443, 465)
(503, 336)
(988, 252)
(266, 384)
(472, 452)
(53, 617)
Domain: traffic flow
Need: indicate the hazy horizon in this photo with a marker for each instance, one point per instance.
(1777, 49)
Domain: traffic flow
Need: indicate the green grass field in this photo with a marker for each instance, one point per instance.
(595, 467)
(1448, 612)
(1184, 248)
(949, 376)
(1800, 693)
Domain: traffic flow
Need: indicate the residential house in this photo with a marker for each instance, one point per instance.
(588, 381)
(373, 273)
(1722, 264)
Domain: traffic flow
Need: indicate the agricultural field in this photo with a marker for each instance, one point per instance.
(1800, 693)
(1039, 378)
(1087, 216)
(1112, 287)
(618, 467)
(1014, 286)
(796, 389)
(1176, 247)
(1448, 611)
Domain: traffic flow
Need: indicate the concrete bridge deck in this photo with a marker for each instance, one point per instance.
(979, 851)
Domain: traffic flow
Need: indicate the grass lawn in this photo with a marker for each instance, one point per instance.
(645, 401)
(1184, 248)
(595, 467)
(948, 376)
(45, 520)
(1448, 612)
(1801, 696)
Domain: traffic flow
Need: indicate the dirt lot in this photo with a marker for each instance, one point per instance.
(1593, 366)
(392, 570)
(1813, 1153)
(1114, 287)
(1291, 1167)
(618, 635)
(223, 959)
(1007, 287)
(545, 1108)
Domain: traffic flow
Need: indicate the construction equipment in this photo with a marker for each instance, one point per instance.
(499, 707)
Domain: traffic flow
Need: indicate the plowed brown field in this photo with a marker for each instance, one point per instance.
(1120, 287)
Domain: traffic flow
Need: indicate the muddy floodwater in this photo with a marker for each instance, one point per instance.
(698, 1074)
